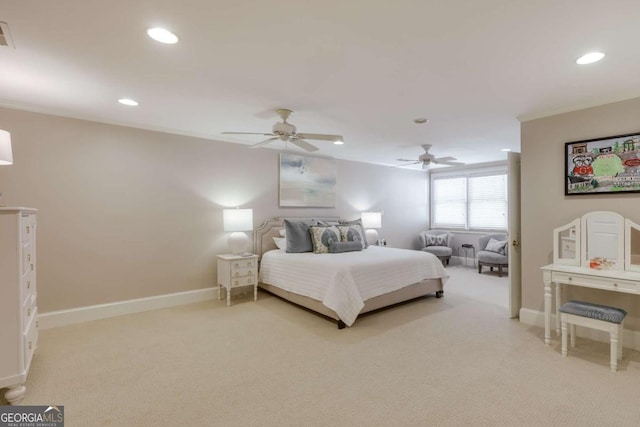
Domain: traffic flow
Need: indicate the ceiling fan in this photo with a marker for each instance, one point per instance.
(427, 159)
(285, 131)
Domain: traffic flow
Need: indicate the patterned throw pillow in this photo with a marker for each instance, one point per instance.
(497, 246)
(322, 238)
(352, 233)
(433, 240)
(356, 223)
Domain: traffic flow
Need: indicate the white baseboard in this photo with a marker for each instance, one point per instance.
(54, 319)
(631, 339)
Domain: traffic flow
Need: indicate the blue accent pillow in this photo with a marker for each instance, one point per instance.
(297, 235)
(339, 247)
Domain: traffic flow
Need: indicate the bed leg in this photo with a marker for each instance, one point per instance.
(341, 324)
(439, 294)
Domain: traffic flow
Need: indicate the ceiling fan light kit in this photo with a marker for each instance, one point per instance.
(287, 132)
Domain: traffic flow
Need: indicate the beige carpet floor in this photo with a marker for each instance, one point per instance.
(455, 361)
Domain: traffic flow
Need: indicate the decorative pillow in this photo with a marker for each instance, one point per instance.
(322, 238)
(297, 236)
(497, 246)
(436, 240)
(357, 222)
(283, 232)
(280, 242)
(352, 233)
(339, 247)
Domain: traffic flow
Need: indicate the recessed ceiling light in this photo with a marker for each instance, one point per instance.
(338, 142)
(129, 102)
(420, 121)
(506, 149)
(590, 58)
(161, 35)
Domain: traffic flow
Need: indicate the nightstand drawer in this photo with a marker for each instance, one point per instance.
(239, 272)
(243, 281)
(243, 263)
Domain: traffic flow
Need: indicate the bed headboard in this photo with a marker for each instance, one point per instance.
(263, 235)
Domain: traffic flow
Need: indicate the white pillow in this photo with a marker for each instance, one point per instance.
(496, 246)
(283, 232)
(281, 243)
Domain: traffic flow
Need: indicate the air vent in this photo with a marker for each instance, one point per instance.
(5, 35)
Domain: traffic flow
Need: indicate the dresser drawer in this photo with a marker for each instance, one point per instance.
(28, 311)
(28, 257)
(27, 286)
(30, 340)
(28, 230)
(596, 282)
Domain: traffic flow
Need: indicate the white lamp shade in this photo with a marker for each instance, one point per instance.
(371, 219)
(6, 156)
(237, 219)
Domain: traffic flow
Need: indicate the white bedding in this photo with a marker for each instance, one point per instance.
(344, 281)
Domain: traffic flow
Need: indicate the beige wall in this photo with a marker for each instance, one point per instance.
(127, 213)
(544, 205)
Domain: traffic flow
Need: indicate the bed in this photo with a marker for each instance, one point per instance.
(343, 286)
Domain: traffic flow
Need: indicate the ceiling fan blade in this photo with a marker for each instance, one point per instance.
(448, 163)
(426, 147)
(444, 159)
(406, 164)
(319, 136)
(265, 142)
(247, 133)
(303, 144)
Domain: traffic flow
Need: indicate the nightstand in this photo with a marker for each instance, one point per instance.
(235, 271)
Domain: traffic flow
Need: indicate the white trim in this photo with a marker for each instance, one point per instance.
(54, 319)
(631, 338)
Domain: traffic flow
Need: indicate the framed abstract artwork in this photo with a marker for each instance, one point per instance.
(307, 181)
(603, 165)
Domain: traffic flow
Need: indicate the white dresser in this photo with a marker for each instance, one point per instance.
(18, 308)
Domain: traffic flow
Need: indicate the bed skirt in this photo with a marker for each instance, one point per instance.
(407, 293)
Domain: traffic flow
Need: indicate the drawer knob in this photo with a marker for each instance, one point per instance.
(32, 267)
(615, 284)
(250, 272)
(236, 265)
(28, 229)
(30, 345)
(236, 283)
(28, 312)
(570, 278)
(29, 257)
(28, 285)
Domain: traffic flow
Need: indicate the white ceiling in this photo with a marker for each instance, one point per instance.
(362, 69)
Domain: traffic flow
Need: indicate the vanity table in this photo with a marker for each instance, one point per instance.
(600, 250)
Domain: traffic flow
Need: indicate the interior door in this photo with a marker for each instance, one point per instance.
(515, 267)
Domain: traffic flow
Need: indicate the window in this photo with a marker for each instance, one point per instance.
(469, 201)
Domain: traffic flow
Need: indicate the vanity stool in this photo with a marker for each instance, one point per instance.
(596, 316)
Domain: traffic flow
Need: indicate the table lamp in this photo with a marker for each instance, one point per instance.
(237, 221)
(371, 221)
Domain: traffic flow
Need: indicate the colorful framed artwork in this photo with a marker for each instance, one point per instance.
(307, 181)
(603, 165)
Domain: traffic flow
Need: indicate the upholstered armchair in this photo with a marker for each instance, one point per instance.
(438, 243)
(493, 252)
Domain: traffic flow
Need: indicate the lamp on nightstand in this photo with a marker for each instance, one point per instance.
(370, 221)
(6, 156)
(238, 221)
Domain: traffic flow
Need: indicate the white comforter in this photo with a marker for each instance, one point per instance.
(343, 282)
